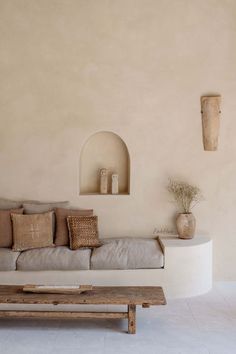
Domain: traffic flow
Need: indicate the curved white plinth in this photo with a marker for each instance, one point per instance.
(188, 266)
(187, 271)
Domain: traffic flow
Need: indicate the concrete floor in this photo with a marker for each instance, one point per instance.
(200, 325)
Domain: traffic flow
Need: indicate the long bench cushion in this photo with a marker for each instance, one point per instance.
(8, 259)
(54, 258)
(128, 253)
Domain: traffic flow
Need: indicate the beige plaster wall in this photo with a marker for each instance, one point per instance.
(70, 68)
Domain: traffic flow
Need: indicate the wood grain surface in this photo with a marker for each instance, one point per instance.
(115, 295)
(47, 289)
(124, 295)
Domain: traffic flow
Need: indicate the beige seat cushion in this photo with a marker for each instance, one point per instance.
(32, 231)
(128, 253)
(6, 226)
(8, 259)
(58, 258)
(62, 232)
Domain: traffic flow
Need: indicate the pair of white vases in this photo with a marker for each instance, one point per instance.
(104, 182)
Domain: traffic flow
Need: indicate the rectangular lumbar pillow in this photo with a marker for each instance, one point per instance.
(83, 231)
(6, 226)
(40, 207)
(9, 204)
(62, 233)
(32, 231)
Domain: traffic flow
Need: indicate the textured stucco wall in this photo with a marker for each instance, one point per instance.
(134, 67)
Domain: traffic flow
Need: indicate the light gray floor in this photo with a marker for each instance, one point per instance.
(200, 325)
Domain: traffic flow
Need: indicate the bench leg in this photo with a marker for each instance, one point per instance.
(131, 319)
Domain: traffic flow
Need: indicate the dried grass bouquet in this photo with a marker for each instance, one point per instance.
(185, 195)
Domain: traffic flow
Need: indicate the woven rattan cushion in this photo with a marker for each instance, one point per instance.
(62, 234)
(32, 231)
(83, 231)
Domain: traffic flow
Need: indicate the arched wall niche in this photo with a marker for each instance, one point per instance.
(104, 150)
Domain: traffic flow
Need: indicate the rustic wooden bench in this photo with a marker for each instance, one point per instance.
(106, 295)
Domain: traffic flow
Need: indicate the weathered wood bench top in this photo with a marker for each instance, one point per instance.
(114, 295)
(99, 295)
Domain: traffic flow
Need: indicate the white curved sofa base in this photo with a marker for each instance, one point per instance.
(187, 271)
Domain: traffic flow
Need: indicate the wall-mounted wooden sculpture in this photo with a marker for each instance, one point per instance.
(210, 109)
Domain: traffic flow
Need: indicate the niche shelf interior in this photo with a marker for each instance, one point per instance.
(104, 150)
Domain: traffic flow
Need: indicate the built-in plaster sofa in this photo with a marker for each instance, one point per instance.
(182, 267)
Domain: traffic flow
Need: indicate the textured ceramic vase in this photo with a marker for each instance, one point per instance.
(186, 224)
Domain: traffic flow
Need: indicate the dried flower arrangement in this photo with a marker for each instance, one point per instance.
(185, 195)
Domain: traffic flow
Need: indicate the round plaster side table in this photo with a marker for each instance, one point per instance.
(188, 265)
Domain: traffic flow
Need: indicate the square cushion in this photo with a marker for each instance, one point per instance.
(62, 232)
(32, 231)
(6, 226)
(8, 259)
(128, 253)
(38, 207)
(9, 204)
(83, 231)
(57, 258)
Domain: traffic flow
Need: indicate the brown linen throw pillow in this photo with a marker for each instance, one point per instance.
(32, 231)
(6, 227)
(41, 207)
(83, 231)
(62, 233)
